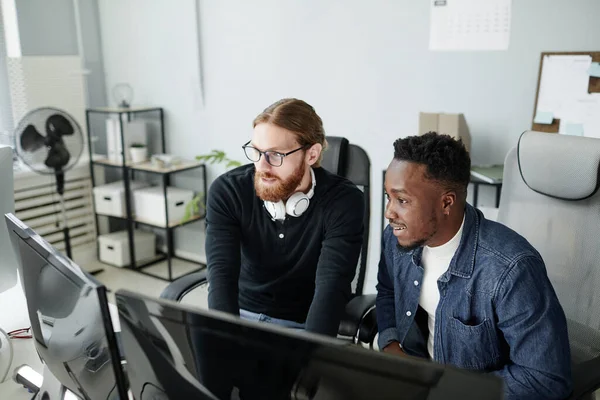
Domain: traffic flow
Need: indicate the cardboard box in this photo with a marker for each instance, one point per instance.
(454, 125)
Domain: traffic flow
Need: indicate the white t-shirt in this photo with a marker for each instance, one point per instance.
(435, 261)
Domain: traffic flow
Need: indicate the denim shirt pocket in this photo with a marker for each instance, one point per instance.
(472, 346)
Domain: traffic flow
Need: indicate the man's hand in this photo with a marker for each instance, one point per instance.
(395, 349)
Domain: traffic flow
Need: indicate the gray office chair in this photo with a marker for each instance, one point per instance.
(359, 322)
(550, 196)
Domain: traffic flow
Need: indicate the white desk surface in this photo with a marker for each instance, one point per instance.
(14, 316)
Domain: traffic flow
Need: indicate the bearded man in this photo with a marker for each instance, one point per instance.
(283, 234)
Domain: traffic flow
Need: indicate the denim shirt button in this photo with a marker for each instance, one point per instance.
(408, 313)
(416, 283)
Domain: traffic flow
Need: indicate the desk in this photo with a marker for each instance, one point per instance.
(15, 316)
(476, 182)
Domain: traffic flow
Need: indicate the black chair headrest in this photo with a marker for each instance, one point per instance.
(335, 157)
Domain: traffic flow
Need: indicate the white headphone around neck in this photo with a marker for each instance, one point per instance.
(295, 206)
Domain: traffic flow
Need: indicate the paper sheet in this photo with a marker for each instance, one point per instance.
(595, 70)
(470, 24)
(591, 118)
(544, 117)
(582, 117)
(564, 80)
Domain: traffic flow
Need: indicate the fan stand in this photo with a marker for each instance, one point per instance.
(60, 189)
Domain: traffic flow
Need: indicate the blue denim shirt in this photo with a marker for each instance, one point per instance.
(497, 313)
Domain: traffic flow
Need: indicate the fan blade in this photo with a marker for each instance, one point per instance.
(58, 125)
(58, 156)
(31, 140)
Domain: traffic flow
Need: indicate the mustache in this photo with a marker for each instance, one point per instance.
(265, 175)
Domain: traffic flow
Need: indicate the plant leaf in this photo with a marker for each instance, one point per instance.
(233, 164)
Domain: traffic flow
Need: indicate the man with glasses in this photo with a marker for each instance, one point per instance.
(283, 234)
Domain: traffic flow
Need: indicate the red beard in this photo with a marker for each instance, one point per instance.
(281, 190)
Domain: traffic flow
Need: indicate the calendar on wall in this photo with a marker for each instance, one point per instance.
(470, 25)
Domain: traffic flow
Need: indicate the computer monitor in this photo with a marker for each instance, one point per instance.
(177, 352)
(8, 262)
(70, 319)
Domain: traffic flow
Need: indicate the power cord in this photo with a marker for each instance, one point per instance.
(10, 356)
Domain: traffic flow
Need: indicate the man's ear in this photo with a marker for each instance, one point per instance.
(313, 153)
(448, 201)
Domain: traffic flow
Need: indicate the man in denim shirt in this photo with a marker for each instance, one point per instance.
(460, 289)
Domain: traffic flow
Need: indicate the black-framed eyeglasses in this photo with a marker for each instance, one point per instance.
(274, 158)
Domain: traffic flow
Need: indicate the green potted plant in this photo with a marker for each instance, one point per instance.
(196, 206)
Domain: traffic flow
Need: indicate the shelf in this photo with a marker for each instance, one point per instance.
(148, 167)
(112, 216)
(109, 163)
(153, 270)
(121, 110)
(148, 261)
(171, 225)
(152, 224)
(143, 168)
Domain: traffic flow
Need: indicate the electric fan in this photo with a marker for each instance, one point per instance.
(50, 142)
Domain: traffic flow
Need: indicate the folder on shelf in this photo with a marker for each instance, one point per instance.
(490, 174)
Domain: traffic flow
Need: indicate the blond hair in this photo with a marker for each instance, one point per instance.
(298, 117)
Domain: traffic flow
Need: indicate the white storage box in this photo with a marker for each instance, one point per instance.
(114, 247)
(150, 205)
(109, 199)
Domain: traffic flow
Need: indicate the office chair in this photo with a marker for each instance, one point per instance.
(359, 322)
(550, 196)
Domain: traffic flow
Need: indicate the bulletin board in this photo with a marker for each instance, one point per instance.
(567, 99)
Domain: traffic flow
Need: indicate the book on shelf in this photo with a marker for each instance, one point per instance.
(488, 173)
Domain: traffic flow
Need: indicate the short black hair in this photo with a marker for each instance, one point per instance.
(447, 160)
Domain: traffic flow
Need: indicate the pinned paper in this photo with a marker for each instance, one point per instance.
(574, 129)
(543, 117)
(564, 79)
(594, 70)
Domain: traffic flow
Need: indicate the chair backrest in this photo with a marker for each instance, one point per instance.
(352, 162)
(550, 196)
(335, 158)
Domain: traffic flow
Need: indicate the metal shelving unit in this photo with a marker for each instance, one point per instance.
(128, 172)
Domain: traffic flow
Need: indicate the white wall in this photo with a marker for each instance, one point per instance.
(364, 66)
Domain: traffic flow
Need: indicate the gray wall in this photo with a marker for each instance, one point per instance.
(365, 66)
(47, 28)
(92, 47)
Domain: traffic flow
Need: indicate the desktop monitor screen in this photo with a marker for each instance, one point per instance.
(8, 262)
(70, 320)
(176, 352)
